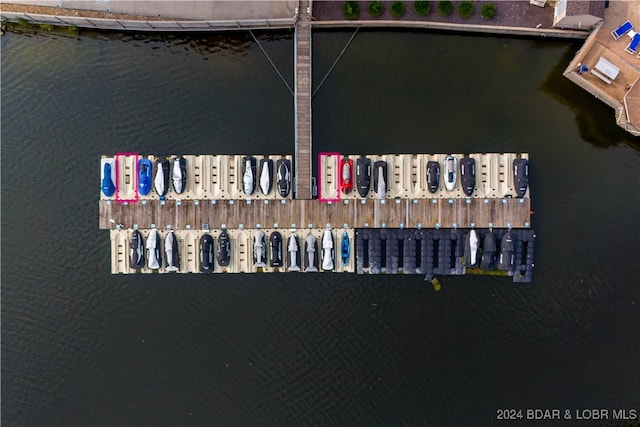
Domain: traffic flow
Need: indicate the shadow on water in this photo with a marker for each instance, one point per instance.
(596, 120)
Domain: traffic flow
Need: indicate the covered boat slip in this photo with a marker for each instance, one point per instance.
(242, 248)
(407, 176)
(216, 177)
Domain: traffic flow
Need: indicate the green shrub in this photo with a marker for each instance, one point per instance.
(421, 7)
(375, 8)
(46, 27)
(351, 9)
(488, 11)
(22, 22)
(397, 9)
(445, 7)
(465, 9)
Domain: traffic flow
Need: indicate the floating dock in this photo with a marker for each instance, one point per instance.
(213, 199)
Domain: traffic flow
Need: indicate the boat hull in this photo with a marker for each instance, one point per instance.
(345, 249)
(293, 253)
(248, 175)
(275, 249)
(433, 176)
(107, 177)
(311, 253)
(136, 252)
(145, 172)
(172, 255)
(506, 258)
(521, 176)
(283, 167)
(207, 252)
(363, 176)
(154, 253)
(161, 180)
(266, 176)
(346, 175)
(223, 250)
(380, 178)
(327, 251)
(468, 175)
(259, 249)
(450, 172)
(179, 174)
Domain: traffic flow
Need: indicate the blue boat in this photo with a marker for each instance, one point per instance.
(108, 187)
(144, 176)
(345, 249)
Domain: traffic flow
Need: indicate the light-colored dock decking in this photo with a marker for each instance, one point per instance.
(303, 150)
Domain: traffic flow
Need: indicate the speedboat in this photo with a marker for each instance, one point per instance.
(450, 173)
(107, 185)
(487, 262)
(345, 249)
(327, 250)
(506, 259)
(293, 253)
(346, 174)
(154, 253)
(266, 175)
(472, 247)
(433, 176)
(380, 178)
(259, 249)
(275, 249)
(161, 181)
(172, 257)
(144, 176)
(520, 176)
(468, 174)
(206, 253)
(311, 248)
(136, 252)
(284, 177)
(179, 174)
(224, 249)
(248, 175)
(363, 176)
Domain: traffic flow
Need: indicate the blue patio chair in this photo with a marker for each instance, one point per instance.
(633, 45)
(621, 30)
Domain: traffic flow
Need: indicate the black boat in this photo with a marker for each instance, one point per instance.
(179, 174)
(433, 176)
(161, 180)
(172, 258)
(259, 249)
(293, 253)
(224, 249)
(507, 252)
(136, 253)
(380, 178)
(284, 177)
(468, 175)
(266, 175)
(248, 175)
(206, 253)
(311, 251)
(275, 249)
(487, 262)
(520, 176)
(363, 176)
(154, 253)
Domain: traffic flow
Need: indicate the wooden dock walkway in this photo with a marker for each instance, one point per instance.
(303, 150)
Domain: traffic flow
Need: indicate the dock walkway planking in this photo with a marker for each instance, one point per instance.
(303, 151)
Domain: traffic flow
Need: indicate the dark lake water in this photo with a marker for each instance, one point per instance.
(81, 347)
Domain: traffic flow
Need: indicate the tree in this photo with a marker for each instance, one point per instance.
(445, 7)
(488, 11)
(375, 8)
(351, 9)
(465, 9)
(421, 7)
(397, 9)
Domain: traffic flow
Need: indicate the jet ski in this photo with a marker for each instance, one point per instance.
(293, 253)
(468, 175)
(206, 253)
(154, 253)
(327, 250)
(507, 252)
(144, 176)
(345, 249)
(433, 176)
(311, 248)
(520, 176)
(275, 249)
(471, 249)
(380, 178)
(259, 249)
(284, 177)
(107, 185)
(266, 175)
(161, 181)
(179, 174)
(136, 252)
(346, 175)
(248, 175)
(363, 175)
(224, 249)
(172, 260)
(488, 259)
(450, 172)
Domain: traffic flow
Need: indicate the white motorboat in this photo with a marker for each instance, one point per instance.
(327, 250)
(450, 172)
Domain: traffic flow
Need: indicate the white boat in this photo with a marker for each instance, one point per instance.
(179, 174)
(327, 250)
(311, 246)
(473, 247)
(380, 178)
(171, 252)
(259, 249)
(247, 178)
(266, 173)
(450, 172)
(292, 248)
(153, 250)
